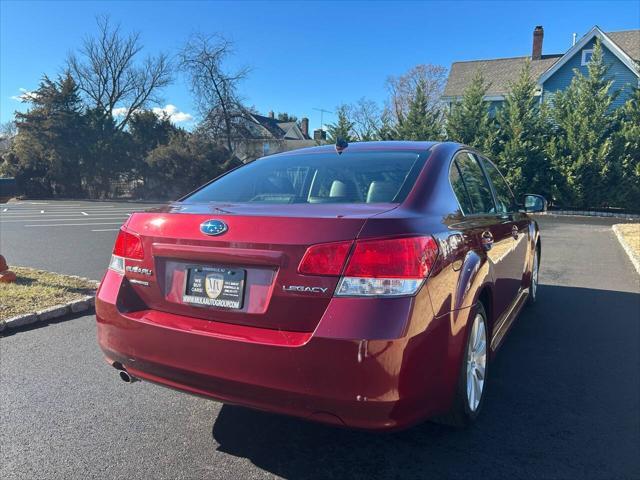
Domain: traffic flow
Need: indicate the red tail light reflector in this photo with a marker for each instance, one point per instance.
(128, 245)
(376, 268)
(325, 258)
(410, 257)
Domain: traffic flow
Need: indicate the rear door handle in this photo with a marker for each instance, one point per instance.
(487, 240)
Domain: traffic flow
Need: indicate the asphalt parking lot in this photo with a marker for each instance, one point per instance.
(563, 400)
(73, 237)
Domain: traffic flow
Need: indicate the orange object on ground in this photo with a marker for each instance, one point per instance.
(7, 277)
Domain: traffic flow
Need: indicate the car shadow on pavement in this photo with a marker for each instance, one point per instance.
(563, 401)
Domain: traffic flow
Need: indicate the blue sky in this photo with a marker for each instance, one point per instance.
(303, 55)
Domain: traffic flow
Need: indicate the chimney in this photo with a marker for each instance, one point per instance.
(304, 126)
(271, 114)
(319, 134)
(538, 35)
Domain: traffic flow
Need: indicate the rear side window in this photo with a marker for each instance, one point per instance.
(471, 188)
(460, 189)
(360, 177)
(505, 200)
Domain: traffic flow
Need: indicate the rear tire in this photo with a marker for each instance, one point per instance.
(472, 380)
(533, 285)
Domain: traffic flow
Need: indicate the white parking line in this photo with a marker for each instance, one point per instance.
(84, 213)
(55, 219)
(66, 214)
(89, 209)
(74, 224)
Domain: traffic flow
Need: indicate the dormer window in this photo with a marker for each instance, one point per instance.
(586, 56)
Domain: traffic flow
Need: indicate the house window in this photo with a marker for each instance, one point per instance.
(586, 56)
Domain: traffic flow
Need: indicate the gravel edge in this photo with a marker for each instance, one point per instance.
(83, 304)
(635, 258)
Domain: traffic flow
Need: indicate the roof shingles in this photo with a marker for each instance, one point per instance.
(500, 73)
(629, 41)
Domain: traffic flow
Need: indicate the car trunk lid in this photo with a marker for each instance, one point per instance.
(263, 246)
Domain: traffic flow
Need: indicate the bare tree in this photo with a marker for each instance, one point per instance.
(113, 77)
(8, 131)
(403, 88)
(215, 89)
(367, 119)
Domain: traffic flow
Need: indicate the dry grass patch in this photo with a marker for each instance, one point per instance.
(36, 290)
(631, 234)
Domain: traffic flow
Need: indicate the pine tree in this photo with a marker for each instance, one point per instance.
(628, 141)
(468, 121)
(521, 139)
(343, 128)
(388, 130)
(48, 153)
(582, 139)
(421, 123)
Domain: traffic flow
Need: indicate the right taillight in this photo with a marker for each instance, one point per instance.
(378, 267)
(127, 245)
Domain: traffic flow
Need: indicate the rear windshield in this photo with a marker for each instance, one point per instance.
(359, 177)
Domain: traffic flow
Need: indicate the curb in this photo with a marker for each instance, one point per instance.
(76, 306)
(589, 213)
(82, 304)
(635, 258)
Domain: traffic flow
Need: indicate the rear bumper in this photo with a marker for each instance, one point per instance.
(333, 375)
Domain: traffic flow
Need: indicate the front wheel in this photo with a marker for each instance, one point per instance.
(473, 374)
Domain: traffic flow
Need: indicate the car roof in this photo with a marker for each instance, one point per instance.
(393, 145)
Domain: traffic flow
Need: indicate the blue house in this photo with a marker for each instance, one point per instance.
(621, 51)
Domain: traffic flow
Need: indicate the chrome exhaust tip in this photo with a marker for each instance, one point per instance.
(125, 377)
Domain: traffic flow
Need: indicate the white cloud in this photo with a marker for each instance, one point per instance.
(24, 95)
(173, 113)
(120, 111)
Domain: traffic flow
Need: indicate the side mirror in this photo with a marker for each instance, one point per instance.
(534, 203)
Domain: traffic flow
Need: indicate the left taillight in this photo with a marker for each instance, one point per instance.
(128, 245)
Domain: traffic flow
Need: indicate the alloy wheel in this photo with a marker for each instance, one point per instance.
(476, 362)
(534, 276)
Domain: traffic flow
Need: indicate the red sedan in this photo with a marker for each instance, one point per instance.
(365, 286)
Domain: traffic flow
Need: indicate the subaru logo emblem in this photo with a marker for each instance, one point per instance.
(213, 227)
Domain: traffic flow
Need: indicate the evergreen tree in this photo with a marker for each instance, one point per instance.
(285, 117)
(187, 161)
(48, 152)
(109, 153)
(521, 139)
(468, 121)
(387, 129)
(421, 122)
(343, 128)
(582, 138)
(148, 131)
(628, 141)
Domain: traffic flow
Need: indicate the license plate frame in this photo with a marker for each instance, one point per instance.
(214, 287)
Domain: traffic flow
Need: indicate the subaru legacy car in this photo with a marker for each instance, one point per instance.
(365, 285)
